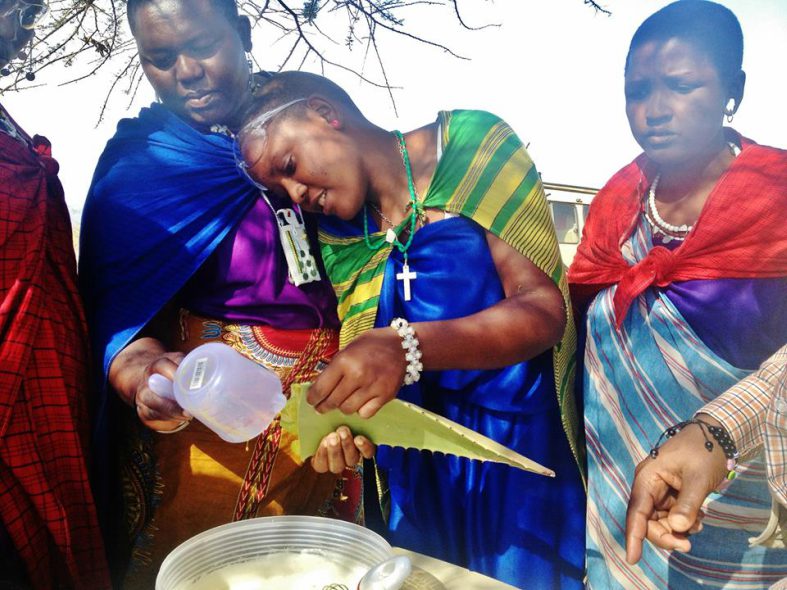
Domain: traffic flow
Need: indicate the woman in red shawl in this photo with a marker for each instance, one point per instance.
(682, 266)
(49, 535)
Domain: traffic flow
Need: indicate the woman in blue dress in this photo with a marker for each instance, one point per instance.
(452, 295)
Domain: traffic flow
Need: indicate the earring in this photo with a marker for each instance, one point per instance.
(30, 75)
(254, 85)
(335, 123)
(729, 110)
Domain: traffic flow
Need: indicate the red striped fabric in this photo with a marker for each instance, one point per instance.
(739, 234)
(46, 504)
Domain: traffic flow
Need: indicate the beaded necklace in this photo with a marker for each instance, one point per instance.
(391, 237)
(660, 226)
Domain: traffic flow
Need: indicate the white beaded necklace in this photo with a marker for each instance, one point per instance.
(667, 230)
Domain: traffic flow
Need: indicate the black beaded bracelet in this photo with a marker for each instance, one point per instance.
(724, 439)
(719, 433)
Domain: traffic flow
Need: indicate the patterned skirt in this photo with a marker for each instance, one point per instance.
(178, 485)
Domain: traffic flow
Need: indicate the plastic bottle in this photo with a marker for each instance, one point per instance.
(229, 393)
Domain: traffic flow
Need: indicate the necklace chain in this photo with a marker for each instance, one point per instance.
(670, 231)
(381, 214)
(413, 205)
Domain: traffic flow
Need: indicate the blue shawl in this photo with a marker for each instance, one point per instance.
(163, 196)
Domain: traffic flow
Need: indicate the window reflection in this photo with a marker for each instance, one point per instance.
(566, 223)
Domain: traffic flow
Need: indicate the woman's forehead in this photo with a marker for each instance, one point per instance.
(259, 150)
(668, 56)
(176, 15)
(253, 146)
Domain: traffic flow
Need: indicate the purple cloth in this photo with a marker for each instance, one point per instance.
(245, 280)
(742, 320)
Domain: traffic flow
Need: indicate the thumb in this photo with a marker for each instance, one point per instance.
(684, 513)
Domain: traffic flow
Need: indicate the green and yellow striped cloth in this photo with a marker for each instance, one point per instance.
(485, 174)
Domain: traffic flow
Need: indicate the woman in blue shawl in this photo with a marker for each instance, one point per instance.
(178, 249)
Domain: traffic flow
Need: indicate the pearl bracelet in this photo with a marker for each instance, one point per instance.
(410, 345)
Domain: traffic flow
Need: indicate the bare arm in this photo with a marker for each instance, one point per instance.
(531, 319)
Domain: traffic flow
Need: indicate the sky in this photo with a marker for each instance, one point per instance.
(553, 69)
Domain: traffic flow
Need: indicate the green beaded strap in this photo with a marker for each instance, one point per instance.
(415, 207)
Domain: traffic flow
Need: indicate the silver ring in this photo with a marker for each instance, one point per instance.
(178, 428)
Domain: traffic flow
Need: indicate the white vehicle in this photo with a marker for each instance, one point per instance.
(568, 205)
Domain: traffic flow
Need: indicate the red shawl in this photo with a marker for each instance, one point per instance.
(741, 231)
(45, 501)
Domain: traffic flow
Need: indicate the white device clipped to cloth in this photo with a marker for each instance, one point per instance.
(301, 264)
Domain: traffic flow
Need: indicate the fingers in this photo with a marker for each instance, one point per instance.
(371, 407)
(661, 535)
(330, 455)
(640, 509)
(697, 526)
(350, 453)
(327, 457)
(325, 383)
(365, 446)
(150, 407)
(348, 397)
(339, 450)
(684, 515)
(342, 397)
(165, 365)
(157, 412)
(370, 367)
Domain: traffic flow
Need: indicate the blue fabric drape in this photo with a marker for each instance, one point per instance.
(524, 529)
(163, 196)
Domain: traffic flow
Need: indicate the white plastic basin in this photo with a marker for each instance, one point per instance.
(274, 552)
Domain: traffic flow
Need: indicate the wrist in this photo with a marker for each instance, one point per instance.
(705, 436)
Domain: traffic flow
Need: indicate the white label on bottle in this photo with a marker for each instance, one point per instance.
(198, 376)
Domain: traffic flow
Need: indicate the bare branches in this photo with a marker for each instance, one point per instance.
(463, 23)
(88, 36)
(85, 34)
(597, 7)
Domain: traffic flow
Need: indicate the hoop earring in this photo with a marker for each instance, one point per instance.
(729, 110)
